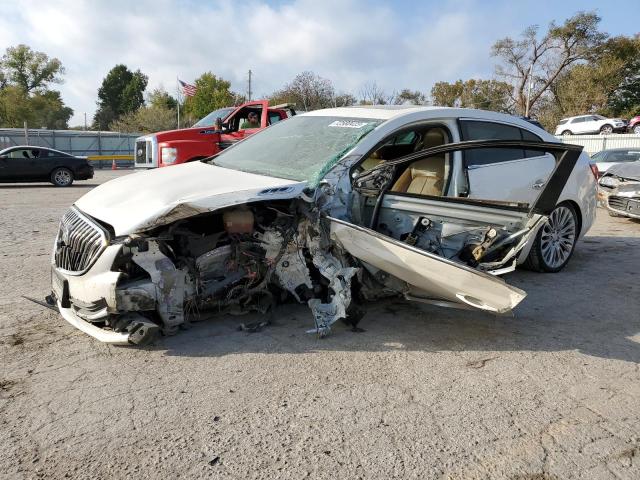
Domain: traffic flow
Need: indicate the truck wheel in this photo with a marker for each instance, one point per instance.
(62, 177)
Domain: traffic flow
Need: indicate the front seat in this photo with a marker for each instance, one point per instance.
(426, 176)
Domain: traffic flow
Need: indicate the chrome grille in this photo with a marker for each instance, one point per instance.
(618, 203)
(79, 243)
(141, 152)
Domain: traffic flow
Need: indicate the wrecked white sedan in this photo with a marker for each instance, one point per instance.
(331, 208)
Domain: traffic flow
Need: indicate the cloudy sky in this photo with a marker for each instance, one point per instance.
(400, 44)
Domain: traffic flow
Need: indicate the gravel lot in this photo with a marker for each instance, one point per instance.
(552, 392)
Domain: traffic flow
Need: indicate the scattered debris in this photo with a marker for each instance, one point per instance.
(214, 461)
(480, 363)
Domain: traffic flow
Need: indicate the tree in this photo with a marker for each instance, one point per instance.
(121, 92)
(29, 70)
(309, 92)
(42, 110)
(147, 119)
(25, 77)
(211, 93)
(410, 97)
(161, 99)
(542, 60)
(473, 93)
(372, 94)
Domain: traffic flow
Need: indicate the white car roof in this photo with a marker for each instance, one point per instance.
(395, 112)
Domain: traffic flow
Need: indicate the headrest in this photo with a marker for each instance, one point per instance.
(434, 138)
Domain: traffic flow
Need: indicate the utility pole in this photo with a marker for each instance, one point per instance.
(26, 133)
(85, 121)
(527, 106)
(249, 92)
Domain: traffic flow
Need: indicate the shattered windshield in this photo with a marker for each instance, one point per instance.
(211, 118)
(302, 148)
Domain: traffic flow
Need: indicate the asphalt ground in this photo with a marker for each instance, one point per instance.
(551, 392)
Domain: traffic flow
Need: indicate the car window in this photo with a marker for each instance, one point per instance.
(597, 157)
(24, 153)
(562, 122)
(477, 130)
(273, 117)
(623, 156)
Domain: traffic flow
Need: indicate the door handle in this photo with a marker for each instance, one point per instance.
(538, 184)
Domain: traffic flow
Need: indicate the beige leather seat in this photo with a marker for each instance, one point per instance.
(425, 177)
(372, 161)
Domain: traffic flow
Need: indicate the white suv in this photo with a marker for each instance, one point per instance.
(585, 124)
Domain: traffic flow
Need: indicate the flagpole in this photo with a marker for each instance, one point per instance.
(178, 85)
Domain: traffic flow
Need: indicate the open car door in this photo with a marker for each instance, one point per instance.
(433, 278)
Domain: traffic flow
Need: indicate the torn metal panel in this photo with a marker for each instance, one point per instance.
(169, 283)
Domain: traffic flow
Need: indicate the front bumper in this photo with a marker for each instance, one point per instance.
(627, 207)
(91, 297)
(105, 336)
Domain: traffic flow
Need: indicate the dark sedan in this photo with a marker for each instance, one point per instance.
(39, 164)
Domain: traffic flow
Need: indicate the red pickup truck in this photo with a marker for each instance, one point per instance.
(215, 132)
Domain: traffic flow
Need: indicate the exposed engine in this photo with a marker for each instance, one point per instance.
(245, 258)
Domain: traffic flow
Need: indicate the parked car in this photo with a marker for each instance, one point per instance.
(607, 158)
(620, 186)
(209, 136)
(634, 125)
(586, 124)
(331, 208)
(39, 164)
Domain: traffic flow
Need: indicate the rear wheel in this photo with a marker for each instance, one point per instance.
(567, 132)
(636, 129)
(62, 177)
(555, 242)
(606, 130)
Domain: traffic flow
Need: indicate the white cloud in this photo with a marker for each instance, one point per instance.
(349, 41)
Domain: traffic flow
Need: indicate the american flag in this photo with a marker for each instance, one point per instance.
(188, 89)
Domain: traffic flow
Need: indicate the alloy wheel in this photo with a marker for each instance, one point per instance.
(62, 177)
(558, 237)
(606, 130)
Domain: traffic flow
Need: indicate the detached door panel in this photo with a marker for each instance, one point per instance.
(438, 277)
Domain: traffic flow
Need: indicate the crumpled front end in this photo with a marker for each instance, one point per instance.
(246, 258)
(620, 195)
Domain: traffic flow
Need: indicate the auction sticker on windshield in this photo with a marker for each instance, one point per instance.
(348, 124)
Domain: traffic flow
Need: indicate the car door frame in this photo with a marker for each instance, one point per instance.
(566, 156)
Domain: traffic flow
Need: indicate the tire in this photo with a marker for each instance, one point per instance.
(606, 130)
(636, 129)
(62, 177)
(567, 132)
(555, 242)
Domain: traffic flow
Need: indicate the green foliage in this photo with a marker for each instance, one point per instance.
(25, 77)
(29, 70)
(212, 93)
(121, 92)
(147, 119)
(161, 99)
(40, 110)
(483, 94)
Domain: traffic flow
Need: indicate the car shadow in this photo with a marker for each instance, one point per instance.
(8, 186)
(592, 306)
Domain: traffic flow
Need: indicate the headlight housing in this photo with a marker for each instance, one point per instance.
(611, 182)
(168, 155)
